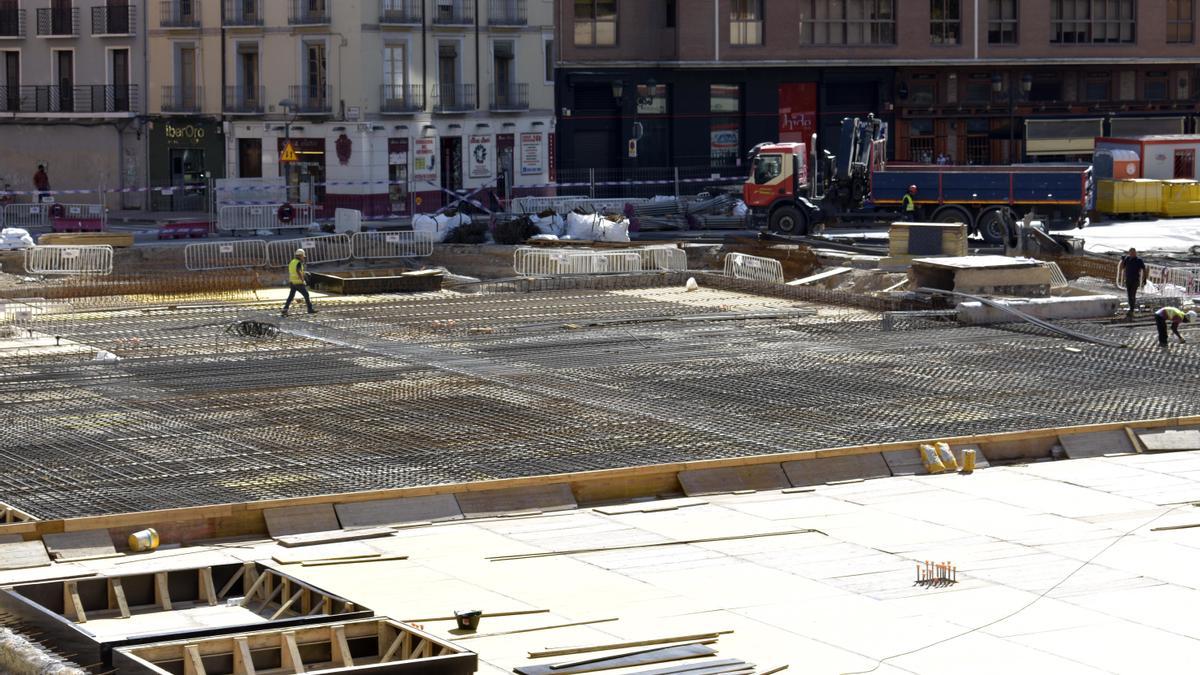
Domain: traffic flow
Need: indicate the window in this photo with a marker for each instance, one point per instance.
(652, 99)
(978, 89)
(1002, 22)
(447, 64)
(1045, 87)
(847, 22)
(395, 69)
(595, 22)
(920, 141)
(746, 22)
(725, 127)
(766, 168)
(671, 12)
(1092, 21)
(945, 27)
(1097, 87)
(548, 54)
(1179, 21)
(1154, 87)
(978, 144)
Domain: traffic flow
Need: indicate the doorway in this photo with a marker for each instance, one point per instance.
(504, 165)
(1185, 164)
(64, 67)
(452, 162)
(249, 158)
(398, 174)
(119, 69)
(12, 81)
(187, 172)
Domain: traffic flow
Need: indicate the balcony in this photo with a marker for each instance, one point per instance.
(509, 97)
(401, 98)
(453, 98)
(179, 14)
(114, 21)
(88, 98)
(57, 22)
(241, 13)
(454, 12)
(244, 100)
(401, 12)
(181, 99)
(309, 13)
(12, 23)
(507, 13)
(312, 100)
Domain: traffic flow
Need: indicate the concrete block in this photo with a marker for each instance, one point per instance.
(1084, 307)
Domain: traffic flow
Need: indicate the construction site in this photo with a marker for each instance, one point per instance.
(730, 455)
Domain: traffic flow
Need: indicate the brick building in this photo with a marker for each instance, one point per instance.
(978, 81)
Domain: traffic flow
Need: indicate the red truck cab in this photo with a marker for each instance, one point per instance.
(779, 177)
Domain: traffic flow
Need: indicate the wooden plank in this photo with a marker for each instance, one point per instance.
(652, 506)
(1170, 440)
(207, 591)
(823, 470)
(393, 648)
(536, 628)
(430, 508)
(333, 536)
(537, 498)
(74, 545)
(22, 555)
(284, 607)
(679, 542)
(291, 653)
(340, 647)
(639, 659)
(243, 662)
(289, 520)
(345, 550)
(714, 667)
(1096, 444)
(820, 276)
(233, 580)
(566, 651)
(733, 479)
(192, 664)
(325, 563)
(73, 607)
(11, 539)
(118, 594)
(162, 592)
(905, 462)
(521, 612)
(608, 657)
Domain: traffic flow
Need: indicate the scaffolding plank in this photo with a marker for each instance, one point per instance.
(288, 520)
(1096, 444)
(86, 544)
(835, 469)
(536, 498)
(430, 508)
(701, 482)
(22, 555)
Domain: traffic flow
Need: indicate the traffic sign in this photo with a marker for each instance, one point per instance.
(288, 154)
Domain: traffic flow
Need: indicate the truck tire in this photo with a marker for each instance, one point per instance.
(992, 227)
(789, 220)
(954, 214)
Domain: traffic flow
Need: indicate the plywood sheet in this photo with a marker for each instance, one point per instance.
(431, 508)
(333, 536)
(300, 519)
(88, 544)
(1170, 440)
(834, 469)
(1096, 444)
(905, 463)
(556, 497)
(733, 479)
(651, 506)
(341, 551)
(10, 538)
(24, 554)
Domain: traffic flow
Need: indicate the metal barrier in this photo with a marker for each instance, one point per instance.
(378, 245)
(664, 258)
(264, 217)
(1185, 278)
(222, 255)
(753, 268)
(69, 260)
(1057, 278)
(535, 205)
(327, 248)
(27, 216)
(555, 262)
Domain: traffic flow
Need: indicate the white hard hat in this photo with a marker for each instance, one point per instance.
(1191, 316)
(300, 251)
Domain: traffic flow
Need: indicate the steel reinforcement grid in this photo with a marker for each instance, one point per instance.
(410, 391)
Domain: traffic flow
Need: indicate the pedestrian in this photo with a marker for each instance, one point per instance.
(1176, 316)
(1133, 270)
(41, 182)
(908, 204)
(298, 282)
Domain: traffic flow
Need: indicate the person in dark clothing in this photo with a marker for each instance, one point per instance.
(41, 182)
(908, 204)
(1176, 316)
(1133, 270)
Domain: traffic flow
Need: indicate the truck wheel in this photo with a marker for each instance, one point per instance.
(992, 227)
(790, 220)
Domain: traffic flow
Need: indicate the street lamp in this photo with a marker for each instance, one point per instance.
(289, 106)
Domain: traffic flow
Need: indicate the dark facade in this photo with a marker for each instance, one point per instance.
(185, 152)
(1026, 80)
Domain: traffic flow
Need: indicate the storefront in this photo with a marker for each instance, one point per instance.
(305, 177)
(184, 154)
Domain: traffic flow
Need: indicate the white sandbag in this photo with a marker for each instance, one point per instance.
(610, 231)
(740, 209)
(544, 237)
(448, 223)
(429, 225)
(581, 226)
(554, 225)
(13, 238)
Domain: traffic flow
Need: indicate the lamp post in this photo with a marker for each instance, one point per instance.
(288, 107)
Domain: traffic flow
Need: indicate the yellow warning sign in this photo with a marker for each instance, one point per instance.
(288, 154)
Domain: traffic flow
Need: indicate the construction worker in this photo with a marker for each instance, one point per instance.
(1176, 316)
(1134, 271)
(298, 281)
(908, 204)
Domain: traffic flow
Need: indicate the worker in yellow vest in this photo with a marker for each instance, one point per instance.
(298, 281)
(1176, 316)
(908, 204)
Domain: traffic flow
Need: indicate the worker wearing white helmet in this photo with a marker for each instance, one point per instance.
(298, 281)
(1176, 316)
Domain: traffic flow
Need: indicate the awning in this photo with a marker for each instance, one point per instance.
(1062, 137)
(1126, 127)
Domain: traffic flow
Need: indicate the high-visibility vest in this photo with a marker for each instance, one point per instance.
(1172, 314)
(908, 203)
(296, 272)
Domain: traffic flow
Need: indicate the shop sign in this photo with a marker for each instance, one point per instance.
(425, 159)
(482, 154)
(531, 154)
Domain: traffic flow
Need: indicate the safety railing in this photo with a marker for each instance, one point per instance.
(69, 260)
(34, 216)
(265, 217)
(533, 262)
(317, 250)
(223, 255)
(664, 258)
(753, 268)
(27, 216)
(1169, 280)
(381, 245)
(532, 205)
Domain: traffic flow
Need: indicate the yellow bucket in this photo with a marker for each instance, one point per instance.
(968, 461)
(144, 540)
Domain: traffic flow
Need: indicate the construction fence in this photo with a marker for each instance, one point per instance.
(69, 260)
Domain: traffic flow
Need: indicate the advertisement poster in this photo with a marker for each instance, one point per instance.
(723, 143)
(531, 154)
(482, 156)
(797, 112)
(424, 159)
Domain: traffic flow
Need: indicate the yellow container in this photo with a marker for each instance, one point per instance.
(968, 461)
(1181, 198)
(1136, 195)
(144, 540)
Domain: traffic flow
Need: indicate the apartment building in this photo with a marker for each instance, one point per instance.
(966, 81)
(72, 85)
(374, 96)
